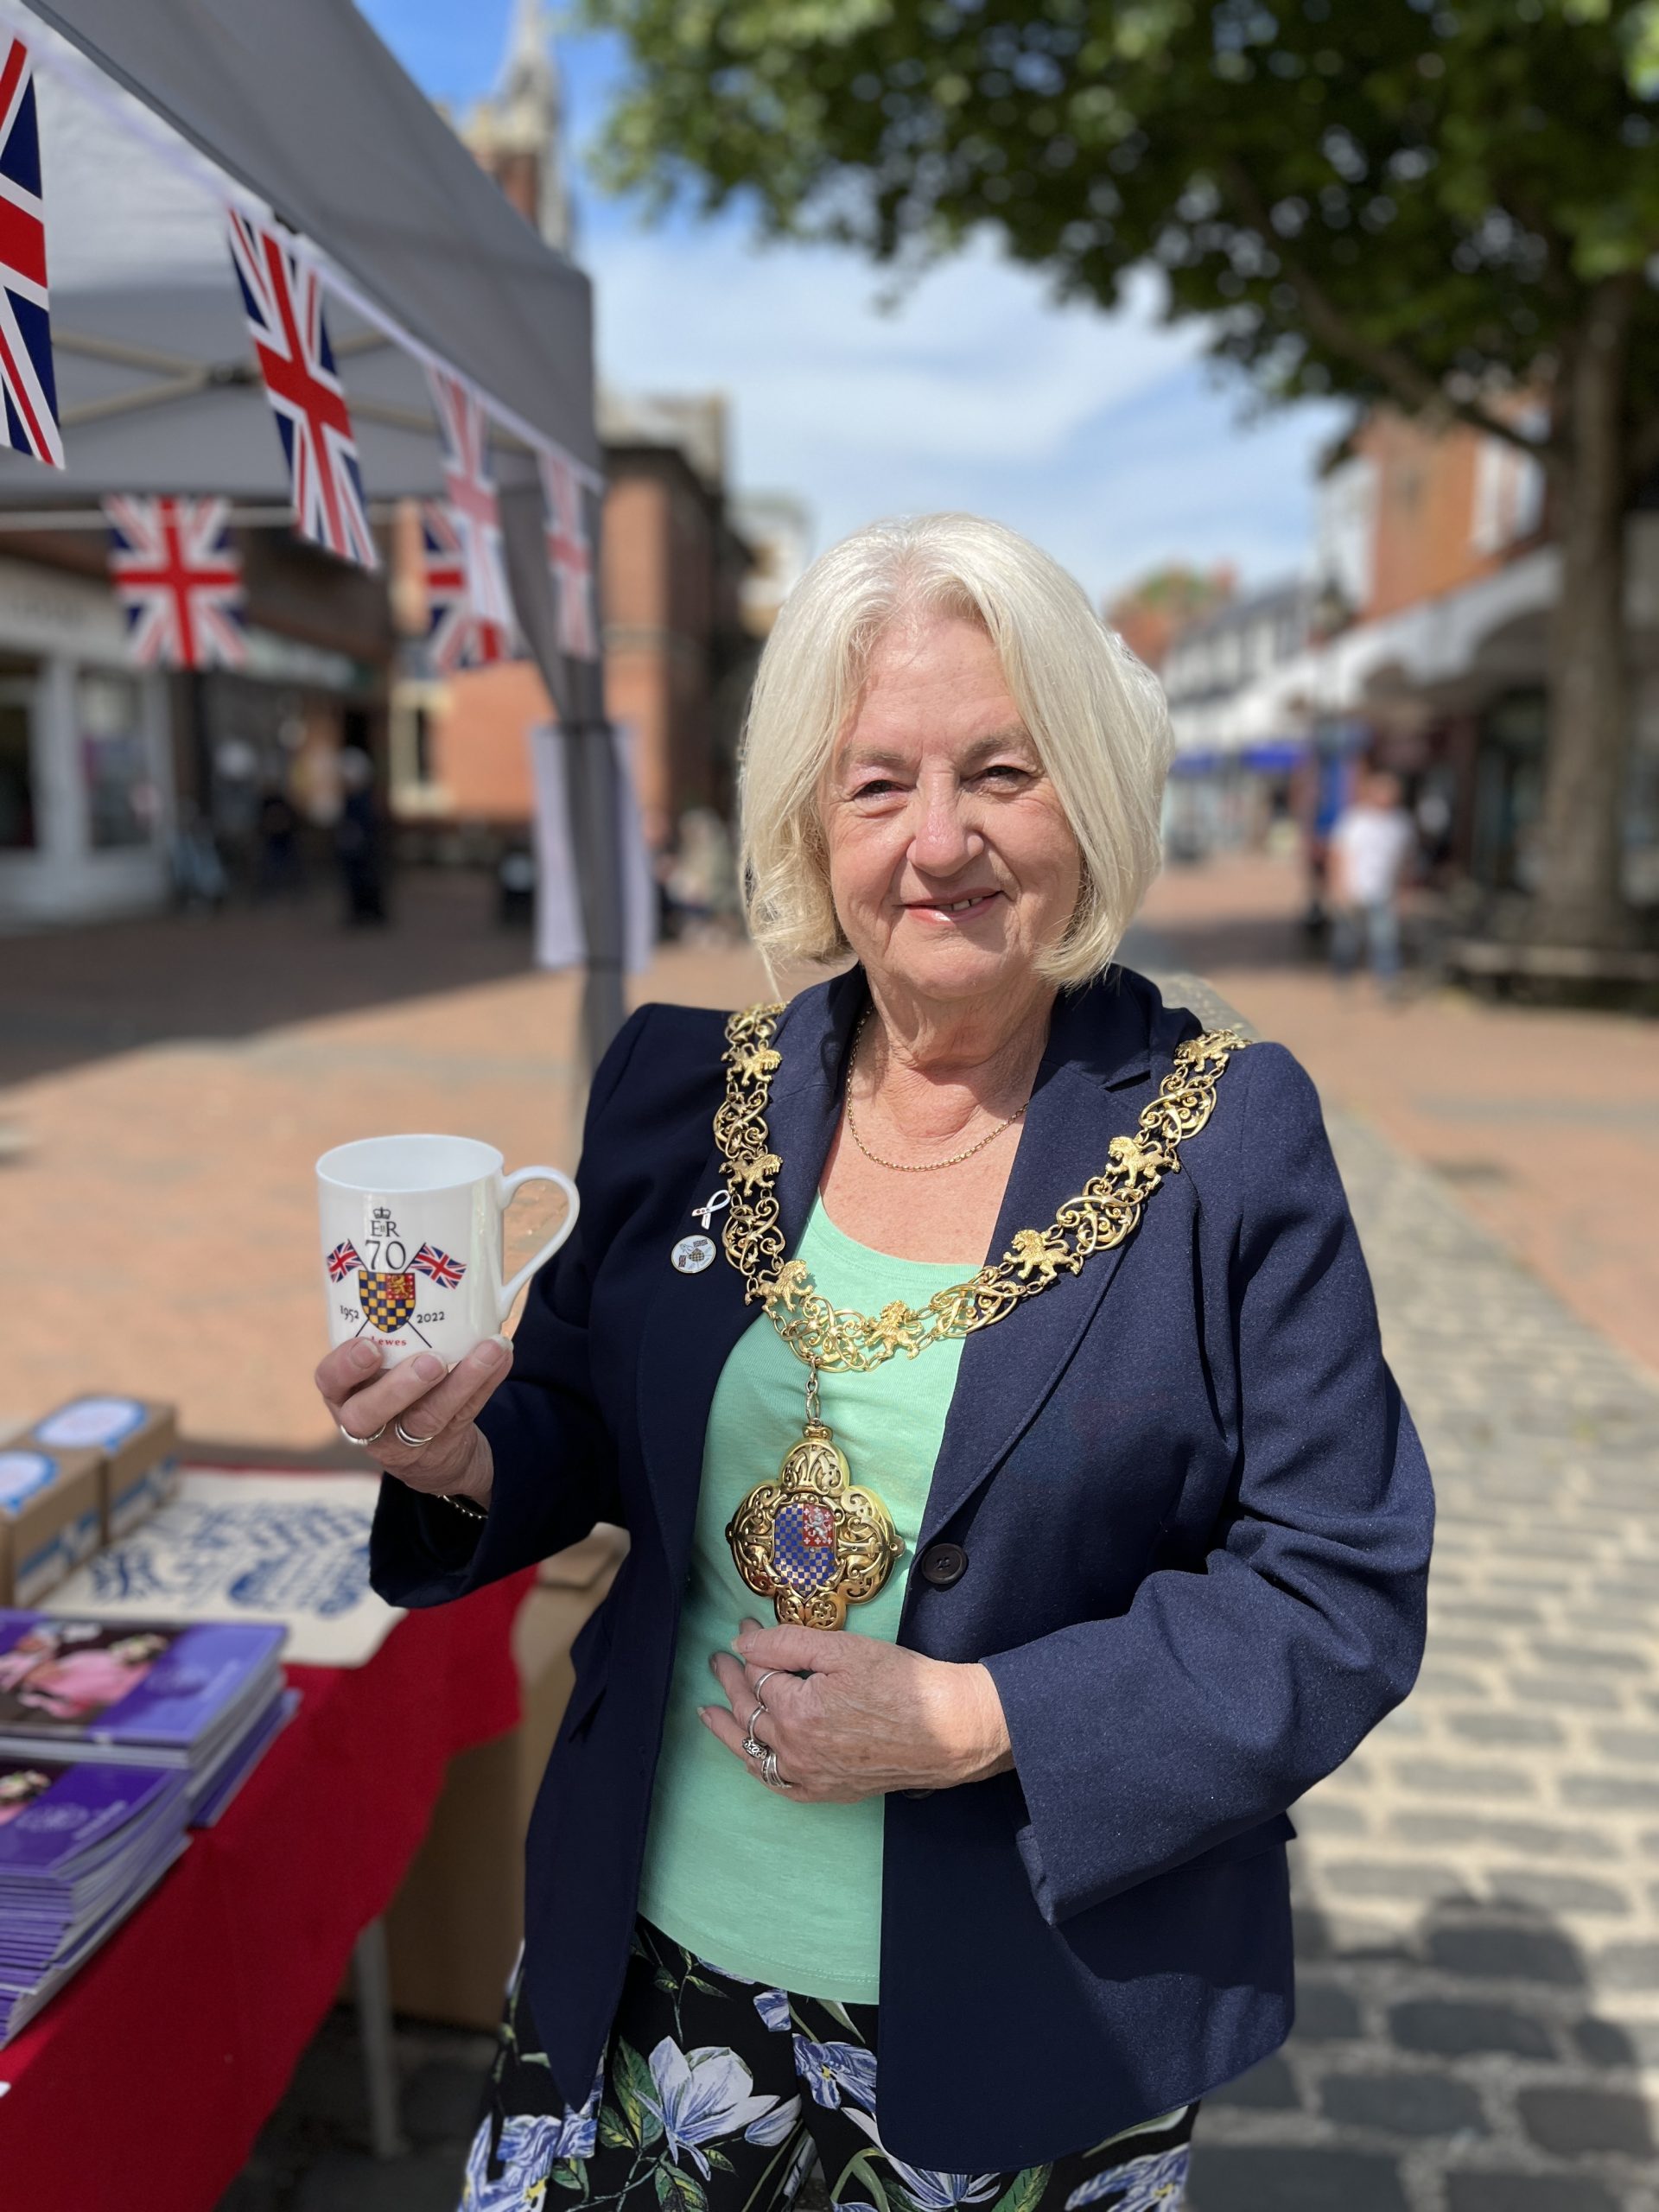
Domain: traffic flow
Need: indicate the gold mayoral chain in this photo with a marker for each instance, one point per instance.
(812, 1540)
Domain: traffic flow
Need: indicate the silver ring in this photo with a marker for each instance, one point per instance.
(361, 1442)
(415, 1443)
(760, 1685)
(759, 1709)
(770, 1774)
(756, 1751)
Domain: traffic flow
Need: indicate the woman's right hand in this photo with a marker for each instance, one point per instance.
(366, 1399)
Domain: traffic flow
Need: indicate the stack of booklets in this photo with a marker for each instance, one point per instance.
(80, 1847)
(115, 1738)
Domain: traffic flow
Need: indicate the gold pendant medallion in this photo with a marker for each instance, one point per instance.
(813, 1540)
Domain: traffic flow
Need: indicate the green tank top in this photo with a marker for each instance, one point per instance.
(764, 1888)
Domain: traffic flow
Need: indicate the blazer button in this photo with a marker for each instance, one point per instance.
(943, 1565)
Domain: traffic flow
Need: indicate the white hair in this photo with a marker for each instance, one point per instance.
(1094, 715)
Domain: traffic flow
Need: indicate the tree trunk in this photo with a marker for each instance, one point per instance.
(1580, 899)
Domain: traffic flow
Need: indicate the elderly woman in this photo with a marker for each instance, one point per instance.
(1019, 1525)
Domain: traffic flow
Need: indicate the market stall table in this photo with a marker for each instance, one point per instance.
(144, 2085)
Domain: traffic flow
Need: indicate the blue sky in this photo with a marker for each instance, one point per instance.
(1108, 438)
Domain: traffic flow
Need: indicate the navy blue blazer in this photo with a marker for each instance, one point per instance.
(1197, 1520)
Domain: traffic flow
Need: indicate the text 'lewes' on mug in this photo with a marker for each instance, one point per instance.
(411, 1242)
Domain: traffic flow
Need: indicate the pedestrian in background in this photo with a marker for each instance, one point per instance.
(198, 871)
(280, 870)
(702, 883)
(1371, 847)
(357, 839)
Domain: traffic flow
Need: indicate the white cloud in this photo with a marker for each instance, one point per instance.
(1095, 433)
(976, 358)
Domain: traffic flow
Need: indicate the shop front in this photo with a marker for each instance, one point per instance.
(87, 788)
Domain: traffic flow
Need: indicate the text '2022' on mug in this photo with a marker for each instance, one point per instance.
(411, 1242)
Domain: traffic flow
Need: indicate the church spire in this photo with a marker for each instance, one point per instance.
(528, 59)
(517, 131)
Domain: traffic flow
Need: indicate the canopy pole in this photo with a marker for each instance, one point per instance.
(590, 770)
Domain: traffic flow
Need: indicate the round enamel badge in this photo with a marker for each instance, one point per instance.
(692, 1254)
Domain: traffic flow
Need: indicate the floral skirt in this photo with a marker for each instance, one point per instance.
(714, 2095)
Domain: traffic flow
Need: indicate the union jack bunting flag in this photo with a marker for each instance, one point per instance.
(179, 579)
(469, 490)
(283, 298)
(341, 1261)
(444, 1271)
(454, 636)
(28, 383)
(570, 556)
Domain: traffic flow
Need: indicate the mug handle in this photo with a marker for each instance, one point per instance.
(504, 1187)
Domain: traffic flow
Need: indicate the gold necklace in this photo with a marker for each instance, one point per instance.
(906, 1166)
(811, 1541)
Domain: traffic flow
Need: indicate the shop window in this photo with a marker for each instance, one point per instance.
(121, 797)
(17, 776)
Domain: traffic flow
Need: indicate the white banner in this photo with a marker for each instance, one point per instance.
(561, 941)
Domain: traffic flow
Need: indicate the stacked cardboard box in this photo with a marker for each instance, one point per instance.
(137, 1441)
(455, 1927)
(51, 1517)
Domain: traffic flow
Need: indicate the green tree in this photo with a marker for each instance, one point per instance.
(1433, 205)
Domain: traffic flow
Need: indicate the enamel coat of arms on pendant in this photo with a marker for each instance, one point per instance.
(812, 1540)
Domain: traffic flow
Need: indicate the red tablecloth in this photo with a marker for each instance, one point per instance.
(142, 2087)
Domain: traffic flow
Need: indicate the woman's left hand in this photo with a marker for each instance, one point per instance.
(851, 1717)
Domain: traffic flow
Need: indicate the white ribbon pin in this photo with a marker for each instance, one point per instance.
(693, 1254)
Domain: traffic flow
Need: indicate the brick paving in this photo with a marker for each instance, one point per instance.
(1478, 1889)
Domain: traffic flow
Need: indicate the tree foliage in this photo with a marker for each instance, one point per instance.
(1370, 197)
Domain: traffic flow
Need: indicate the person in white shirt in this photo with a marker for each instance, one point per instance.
(1371, 847)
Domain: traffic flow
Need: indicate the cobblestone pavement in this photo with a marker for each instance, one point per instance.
(1478, 1887)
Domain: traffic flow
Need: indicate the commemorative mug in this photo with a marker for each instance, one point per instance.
(411, 1242)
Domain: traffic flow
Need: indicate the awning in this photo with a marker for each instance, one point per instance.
(1277, 758)
(297, 110)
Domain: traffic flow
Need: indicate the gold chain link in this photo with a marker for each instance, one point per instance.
(1104, 1213)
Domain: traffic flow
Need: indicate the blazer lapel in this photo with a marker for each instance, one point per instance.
(695, 1320)
(1091, 1087)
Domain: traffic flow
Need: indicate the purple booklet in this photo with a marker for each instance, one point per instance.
(24, 1991)
(55, 1819)
(157, 1693)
